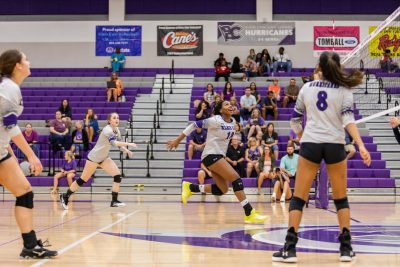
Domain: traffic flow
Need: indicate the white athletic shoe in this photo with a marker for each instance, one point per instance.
(117, 203)
(283, 198)
(64, 201)
(273, 197)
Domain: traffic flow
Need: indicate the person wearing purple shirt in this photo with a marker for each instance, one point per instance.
(68, 170)
(197, 141)
(80, 139)
(228, 92)
(31, 137)
(255, 124)
(59, 137)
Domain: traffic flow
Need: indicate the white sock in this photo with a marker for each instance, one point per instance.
(244, 202)
(283, 197)
(273, 195)
(201, 187)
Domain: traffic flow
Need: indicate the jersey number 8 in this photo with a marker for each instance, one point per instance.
(321, 103)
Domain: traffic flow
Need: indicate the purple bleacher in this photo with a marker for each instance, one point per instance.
(48, 181)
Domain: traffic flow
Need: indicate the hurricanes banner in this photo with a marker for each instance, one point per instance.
(388, 38)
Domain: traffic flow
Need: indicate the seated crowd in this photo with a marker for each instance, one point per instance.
(256, 64)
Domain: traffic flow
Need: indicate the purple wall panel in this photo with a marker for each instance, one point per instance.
(54, 7)
(335, 7)
(190, 7)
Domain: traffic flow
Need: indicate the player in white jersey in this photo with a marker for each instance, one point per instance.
(220, 130)
(328, 103)
(99, 157)
(14, 68)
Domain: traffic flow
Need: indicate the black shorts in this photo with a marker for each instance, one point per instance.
(99, 163)
(269, 111)
(211, 159)
(330, 153)
(5, 158)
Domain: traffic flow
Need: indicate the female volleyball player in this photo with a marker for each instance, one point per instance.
(221, 128)
(99, 156)
(14, 68)
(328, 103)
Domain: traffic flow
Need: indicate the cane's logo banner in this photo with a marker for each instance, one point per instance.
(341, 39)
(388, 38)
(180, 40)
(256, 33)
(128, 38)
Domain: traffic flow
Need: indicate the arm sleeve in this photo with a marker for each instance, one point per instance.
(397, 134)
(9, 117)
(282, 164)
(205, 124)
(298, 113)
(347, 107)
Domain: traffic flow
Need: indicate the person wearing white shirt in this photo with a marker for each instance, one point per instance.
(247, 103)
(282, 61)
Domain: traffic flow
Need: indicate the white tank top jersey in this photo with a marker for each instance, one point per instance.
(219, 132)
(106, 140)
(11, 108)
(328, 108)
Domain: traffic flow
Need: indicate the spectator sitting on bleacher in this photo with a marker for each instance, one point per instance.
(219, 60)
(203, 174)
(115, 91)
(287, 170)
(80, 139)
(239, 133)
(217, 99)
(237, 70)
(253, 152)
(68, 170)
(66, 112)
(222, 70)
(251, 67)
(276, 89)
(197, 141)
(395, 123)
(59, 137)
(291, 93)
(270, 107)
(228, 92)
(270, 139)
(247, 103)
(235, 156)
(260, 68)
(349, 146)
(387, 62)
(31, 137)
(256, 94)
(255, 125)
(117, 60)
(266, 163)
(202, 111)
(25, 167)
(265, 65)
(294, 141)
(236, 109)
(91, 124)
(282, 61)
(208, 95)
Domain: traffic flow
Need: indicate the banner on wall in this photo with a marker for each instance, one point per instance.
(128, 38)
(342, 39)
(256, 33)
(388, 38)
(180, 40)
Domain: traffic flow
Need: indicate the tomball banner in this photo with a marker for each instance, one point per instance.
(342, 39)
(181, 40)
(256, 33)
(388, 38)
(128, 38)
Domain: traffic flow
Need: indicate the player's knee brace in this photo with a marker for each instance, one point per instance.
(25, 201)
(237, 185)
(117, 178)
(342, 203)
(216, 191)
(80, 181)
(296, 203)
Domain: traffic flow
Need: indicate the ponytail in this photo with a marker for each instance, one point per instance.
(329, 64)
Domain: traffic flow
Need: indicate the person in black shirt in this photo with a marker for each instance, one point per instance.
(235, 156)
(395, 123)
(270, 138)
(256, 94)
(270, 106)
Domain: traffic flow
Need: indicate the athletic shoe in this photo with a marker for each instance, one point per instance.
(283, 198)
(288, 252)
(64, 201)
(273, 197)
(186, 193)
(38, 252)
(346, 251)
(255, 217)
(117, 203)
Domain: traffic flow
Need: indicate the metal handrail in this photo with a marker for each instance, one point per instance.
(148, 161)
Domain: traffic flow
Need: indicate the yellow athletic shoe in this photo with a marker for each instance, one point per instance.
(186, 193)
(255, 217)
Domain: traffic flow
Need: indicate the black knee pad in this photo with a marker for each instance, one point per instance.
(237, 185)
(80, 181)
(342, 203)
(216, 191)
(117, 178)
(296, 203)
(25, 201)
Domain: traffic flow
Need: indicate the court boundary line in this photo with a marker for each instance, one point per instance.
(85, 238)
